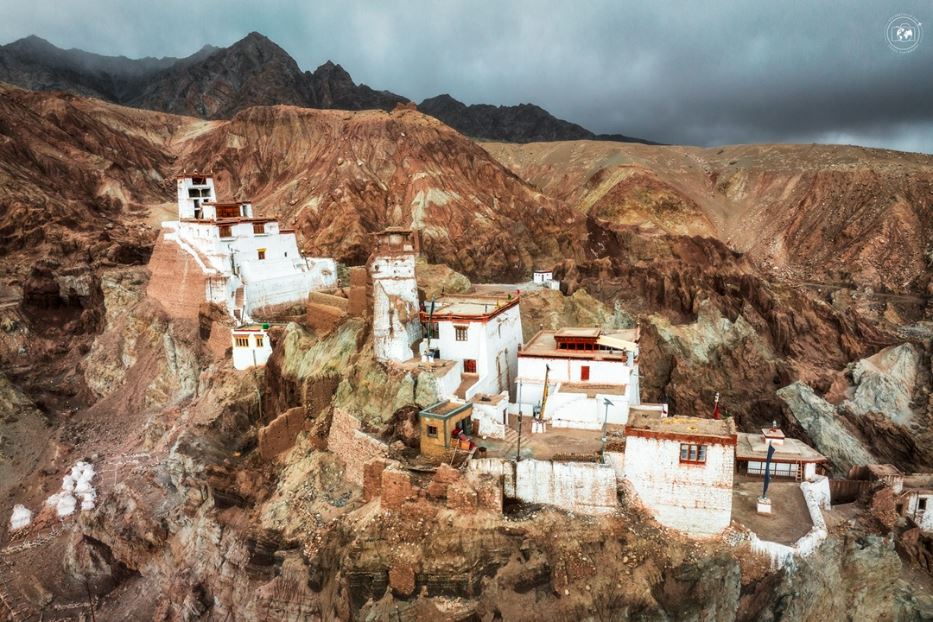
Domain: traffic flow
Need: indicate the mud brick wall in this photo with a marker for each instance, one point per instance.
(372, 478)
(282, 432)
(396, 488)
(324, 318)
(176, 280)
(360, 301)
(352, 446)
(329, 300)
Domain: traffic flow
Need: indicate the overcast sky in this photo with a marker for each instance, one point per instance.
(698, 72)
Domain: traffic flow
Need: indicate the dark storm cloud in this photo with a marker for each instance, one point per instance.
(688, 72)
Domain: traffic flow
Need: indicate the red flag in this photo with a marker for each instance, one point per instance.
(716, 407)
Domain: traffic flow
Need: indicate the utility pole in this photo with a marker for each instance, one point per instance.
(518, 452)
(602, 448)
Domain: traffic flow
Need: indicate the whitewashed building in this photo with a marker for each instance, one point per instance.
(396, 323)
(251, 347)
(682, 469)
(792, 457)
(545, 278)
(249, 262)
(490, 412)
(483, 331)
(584, 367)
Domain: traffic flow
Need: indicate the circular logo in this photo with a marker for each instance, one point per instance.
(904, 33)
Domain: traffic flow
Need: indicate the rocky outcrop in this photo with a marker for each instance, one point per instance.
(827, 432)
(885, 383)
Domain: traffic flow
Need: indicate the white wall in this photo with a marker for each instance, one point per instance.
(576, 410)
(696, 499)
(492, 418)
(396, 325)
(582, 487)
(542, 278)
(246, 357)
(532, 370)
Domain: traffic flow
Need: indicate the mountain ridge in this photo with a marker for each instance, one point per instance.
(218, 82)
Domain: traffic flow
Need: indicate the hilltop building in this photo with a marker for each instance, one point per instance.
(682, 470)
(792, 457)
(545, 278)
(251, 346)
(246, 262)
(584, 368)
(396, 324)
(483, 331)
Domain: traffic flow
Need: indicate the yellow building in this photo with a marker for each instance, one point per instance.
(439, 422)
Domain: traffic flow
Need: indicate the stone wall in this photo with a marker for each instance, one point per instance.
(693, 498)
(352, 446)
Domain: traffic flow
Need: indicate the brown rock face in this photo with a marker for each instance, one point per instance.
(338, 177)
(832, 214)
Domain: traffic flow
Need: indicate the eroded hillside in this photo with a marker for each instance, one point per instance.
(827, 213)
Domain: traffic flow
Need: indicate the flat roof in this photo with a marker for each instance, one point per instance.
(544, 343)
(474, 306)
(486, 398)
(445, 409)
(720, 431)
(591, 389)
(753, 447)
(581, 331)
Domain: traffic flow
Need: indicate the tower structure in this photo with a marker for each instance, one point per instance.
(396, 323)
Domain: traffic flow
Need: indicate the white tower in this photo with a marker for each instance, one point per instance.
(396, 322)
(193, 191)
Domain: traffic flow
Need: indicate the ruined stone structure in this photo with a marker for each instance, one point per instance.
(396, 324)
(682, 470)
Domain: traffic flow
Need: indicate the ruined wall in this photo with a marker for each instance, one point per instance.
(696, 499)
(352, 446)
(282, 432)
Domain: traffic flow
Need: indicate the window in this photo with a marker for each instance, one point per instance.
(242, 341)
(460, 333)
(261, 253)
(469, 366)
(585, 372)
(225, 231)
(692, 454)
(432, 431)
(259, 228)
(259, 341)
(922, 504)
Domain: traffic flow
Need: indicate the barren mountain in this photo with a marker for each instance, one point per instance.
(833, 214)
(216, 83)
(518, 124)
